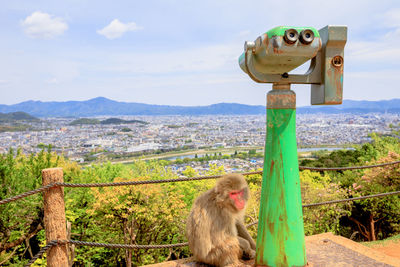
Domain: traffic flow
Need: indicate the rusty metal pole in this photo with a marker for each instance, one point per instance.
(269, 59)
(54, 217)
(280, 238)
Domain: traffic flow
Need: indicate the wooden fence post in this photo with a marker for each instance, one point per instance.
(54, 217)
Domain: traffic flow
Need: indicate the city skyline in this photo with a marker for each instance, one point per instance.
(76, 138)
(178, 52)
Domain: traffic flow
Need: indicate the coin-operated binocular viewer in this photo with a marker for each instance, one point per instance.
(269, 59)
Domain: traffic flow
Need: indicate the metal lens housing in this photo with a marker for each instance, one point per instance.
(306, 37)
(291, 36)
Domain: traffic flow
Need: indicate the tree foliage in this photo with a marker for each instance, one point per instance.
(21, 221)
(144, 214)
(376, 218)
(317, 188)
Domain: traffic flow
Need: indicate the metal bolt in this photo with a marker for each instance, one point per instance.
(285, 75)
(249, 46)
(337, 61)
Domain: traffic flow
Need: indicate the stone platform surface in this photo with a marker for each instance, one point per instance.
(323, 250)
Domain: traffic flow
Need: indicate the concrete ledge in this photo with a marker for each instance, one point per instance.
(330, 250)
(323, 250)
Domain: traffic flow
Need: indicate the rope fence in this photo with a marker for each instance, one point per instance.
(26, 194)
(43, 188)
(349, 168)
(42, 251)
(93, 244)
(350, 199)
(341, 201)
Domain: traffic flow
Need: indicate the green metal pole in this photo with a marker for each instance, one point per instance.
(280, 239)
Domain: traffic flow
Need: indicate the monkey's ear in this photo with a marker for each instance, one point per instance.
(219, 192)
(217, 188)
(246, 193)
(221, 188)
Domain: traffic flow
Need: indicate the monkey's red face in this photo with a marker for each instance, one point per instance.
(238, 199)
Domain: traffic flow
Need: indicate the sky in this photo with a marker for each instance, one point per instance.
(180, 52)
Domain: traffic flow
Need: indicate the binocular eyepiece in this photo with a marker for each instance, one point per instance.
(306, 36)
(292, 35)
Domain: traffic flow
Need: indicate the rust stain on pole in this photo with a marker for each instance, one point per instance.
(54, 217)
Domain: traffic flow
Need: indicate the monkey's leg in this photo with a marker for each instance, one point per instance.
(226, 253)
(245, 248)
(242, 232)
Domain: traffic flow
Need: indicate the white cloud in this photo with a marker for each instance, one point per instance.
(116, 29)
(53, 80)
(383, 51)
(43, 26)
(391, 18)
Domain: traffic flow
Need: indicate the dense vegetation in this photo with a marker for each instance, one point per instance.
(155, 214)
(16, 116)
(11, 122)
(121, 121)
(14, 128)
(83, 121)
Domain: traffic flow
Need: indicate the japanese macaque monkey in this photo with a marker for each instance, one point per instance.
(215, 229)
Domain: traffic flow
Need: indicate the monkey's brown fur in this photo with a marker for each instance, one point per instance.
(215, 229)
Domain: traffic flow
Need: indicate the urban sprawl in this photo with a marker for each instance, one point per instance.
(196, 133)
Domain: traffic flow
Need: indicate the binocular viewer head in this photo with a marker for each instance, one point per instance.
(282, 49)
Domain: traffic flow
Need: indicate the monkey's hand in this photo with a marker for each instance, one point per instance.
(242, 232)
(247, 252)
(238, 264)
(249, 255)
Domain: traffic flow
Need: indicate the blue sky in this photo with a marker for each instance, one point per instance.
(178, 52)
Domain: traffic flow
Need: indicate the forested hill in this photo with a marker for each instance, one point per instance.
(103, 106)
(106, 121)
(16, 116)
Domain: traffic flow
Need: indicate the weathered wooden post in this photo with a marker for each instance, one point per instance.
(280, 238)
(54, 217)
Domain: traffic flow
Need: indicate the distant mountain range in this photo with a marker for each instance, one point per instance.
(356, 106)
(103, 106)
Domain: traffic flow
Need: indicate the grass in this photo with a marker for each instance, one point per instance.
(395, 238)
